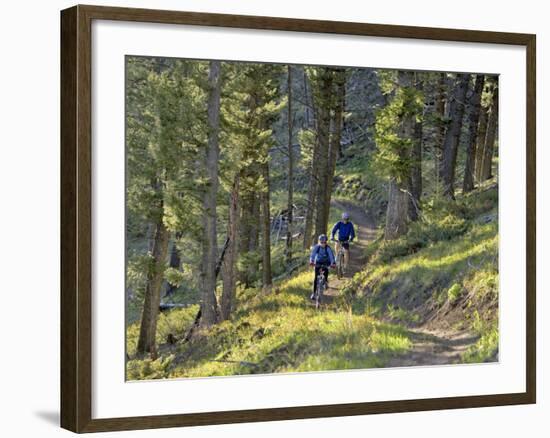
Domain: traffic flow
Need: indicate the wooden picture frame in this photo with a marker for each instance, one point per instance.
(76, 218)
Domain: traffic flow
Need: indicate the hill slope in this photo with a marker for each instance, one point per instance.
(428, 298)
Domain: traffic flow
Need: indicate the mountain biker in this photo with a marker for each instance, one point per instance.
(346, 234)
(321, 257)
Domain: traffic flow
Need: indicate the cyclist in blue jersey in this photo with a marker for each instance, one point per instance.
(346, 234)
(321, 257)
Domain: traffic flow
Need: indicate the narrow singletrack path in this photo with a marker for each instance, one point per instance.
(365, 231)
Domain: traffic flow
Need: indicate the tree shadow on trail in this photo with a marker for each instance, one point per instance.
(419, 337)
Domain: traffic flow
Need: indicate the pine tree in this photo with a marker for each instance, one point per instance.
(209, 305)
(394, 137)
(415, 178)
(452, 135)
(474, 103)
(290, 177)
(252, 107)
(491, 136)
(160, 151)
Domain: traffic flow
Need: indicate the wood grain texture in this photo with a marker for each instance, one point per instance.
(69, 318)
(76, 219)
(76, 294)
(300, 25)
(277, 414)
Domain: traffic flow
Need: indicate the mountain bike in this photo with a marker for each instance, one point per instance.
(321, 286)
(340, 264)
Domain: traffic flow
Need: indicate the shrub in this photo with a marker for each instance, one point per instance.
(149, 369)
(446, 228)
(486, 348)
(454, 292)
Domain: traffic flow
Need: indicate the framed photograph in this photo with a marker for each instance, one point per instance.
(270, 218)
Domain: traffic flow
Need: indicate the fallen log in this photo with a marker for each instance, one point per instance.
(163, 307)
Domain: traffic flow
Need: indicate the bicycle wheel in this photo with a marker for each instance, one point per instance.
(320, 289)
(318, 296)
(340, 265)
(346, 263)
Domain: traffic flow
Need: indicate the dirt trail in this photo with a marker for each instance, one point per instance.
(365, 232)
(434, 348)
(430, 347)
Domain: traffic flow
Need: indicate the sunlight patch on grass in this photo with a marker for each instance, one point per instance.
(440, 262)
(297, 337)
(283, 332)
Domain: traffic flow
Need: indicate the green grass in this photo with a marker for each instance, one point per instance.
(452, 267)
(277, 333)
(486, 348)
(456, 266)
(448, 261)
(437, 263)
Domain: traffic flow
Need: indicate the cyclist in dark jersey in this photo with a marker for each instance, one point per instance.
(321, 257)
(346, 234)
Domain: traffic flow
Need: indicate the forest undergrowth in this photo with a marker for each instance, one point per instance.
(442, 276)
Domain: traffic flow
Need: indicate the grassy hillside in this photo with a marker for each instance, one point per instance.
(443, 275)
(280, 332)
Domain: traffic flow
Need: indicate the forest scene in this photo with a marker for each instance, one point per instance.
(239, 175)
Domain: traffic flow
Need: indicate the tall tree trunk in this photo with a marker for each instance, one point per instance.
(398, 198)
(209, 246)
(474, 109)
(266, 228)
(150, 233)
(416, 163)
(149, 316)
(480, 141)
(230, 259)
(486, 167)
(396, 215)
(452, 136)
(336, 135)
(312, 189)
(255, 226)
(249, 229)
(323, 133)
(245, 233)
(308, 107)
(313, 169)
(290, 201)
(440, 130)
